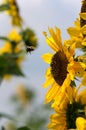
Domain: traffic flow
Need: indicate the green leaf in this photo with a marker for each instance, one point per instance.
(72, 84)
(23, 128)
(4, 38)
(8, 65)
(4, 7)
(3, 115)
(15, 70)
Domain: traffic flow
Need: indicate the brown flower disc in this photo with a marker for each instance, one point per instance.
(59, 67)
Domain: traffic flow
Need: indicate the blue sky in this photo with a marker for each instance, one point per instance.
(38, 15)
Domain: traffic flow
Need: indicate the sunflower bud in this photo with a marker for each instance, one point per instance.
(29, 39)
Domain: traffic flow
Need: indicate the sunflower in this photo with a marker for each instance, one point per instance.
(66, 117)
(78, 32)
(59, 75)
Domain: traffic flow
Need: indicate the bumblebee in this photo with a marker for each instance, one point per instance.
(30, 48)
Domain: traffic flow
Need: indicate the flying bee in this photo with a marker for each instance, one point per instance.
(30, 48)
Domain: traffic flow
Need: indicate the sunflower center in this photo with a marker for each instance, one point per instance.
(59, 67)
(74, 110)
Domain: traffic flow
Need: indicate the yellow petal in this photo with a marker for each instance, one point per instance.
(49, 78)
(48, 82)
(47, 57)
(51, 43)
(58, 122)
(84, 42)
(68, 42)
(70, 93)
(84, 79)
(14, 36)
(72, 49)
(66, 83)
(82, 96)
(7, 48)
(56, 37)
(74, 40)
(77, 23)
(51, 94)
(81, 123)
(83, 15)
(48, 73)
(83, 29)
(60, 100)
(73, 31)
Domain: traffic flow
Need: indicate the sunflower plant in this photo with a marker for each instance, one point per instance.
(13, 50)
(67, 97)
(16, 44)
(12, 9)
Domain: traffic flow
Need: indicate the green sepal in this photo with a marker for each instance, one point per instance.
(73, 84)
(29, 38)
(4, 7)
(23, 128)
